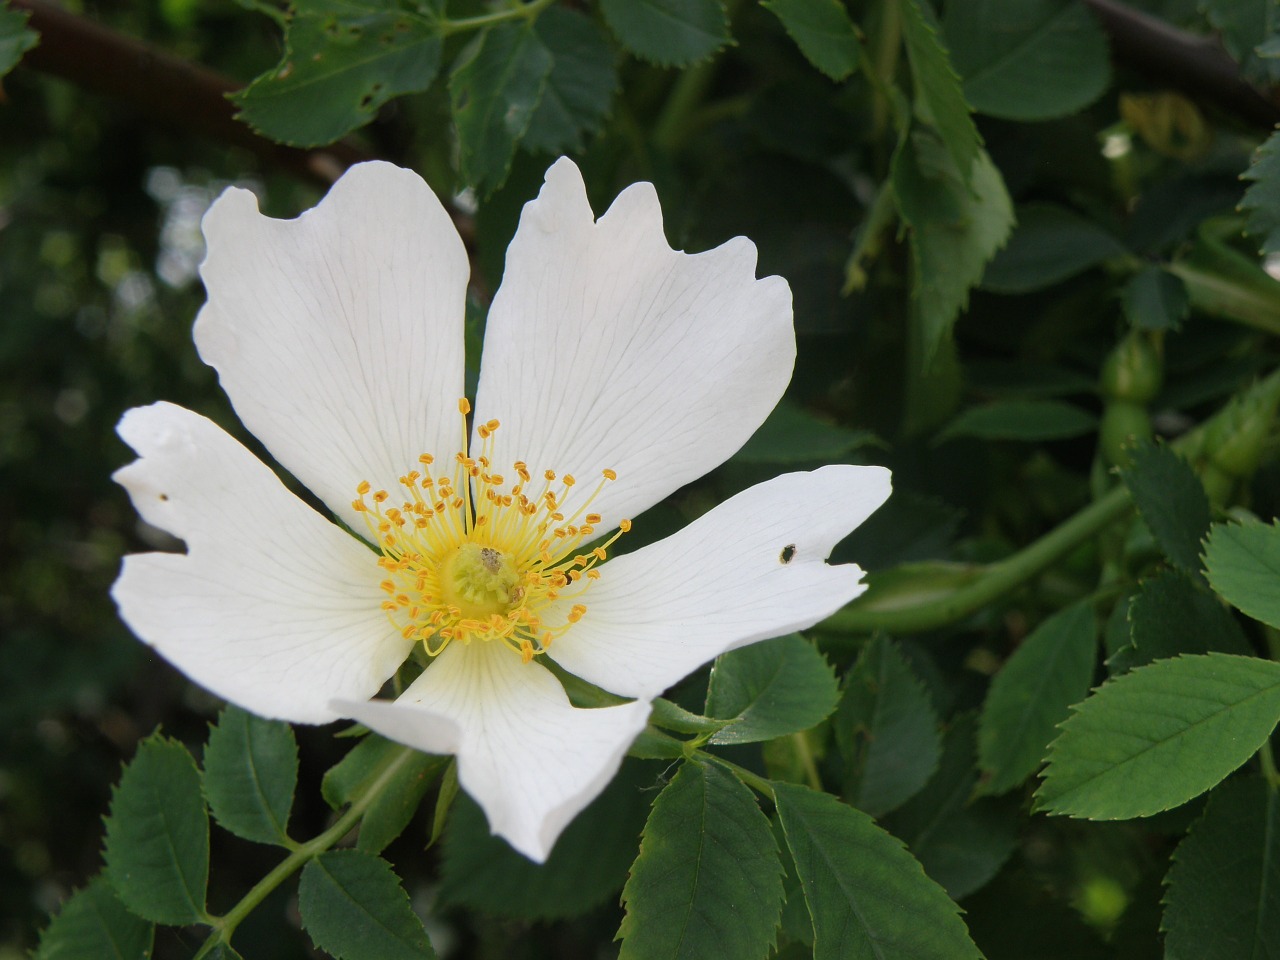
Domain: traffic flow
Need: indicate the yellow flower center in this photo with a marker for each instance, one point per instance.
(467, 557)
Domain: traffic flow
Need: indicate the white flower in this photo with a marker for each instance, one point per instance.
(338, 337)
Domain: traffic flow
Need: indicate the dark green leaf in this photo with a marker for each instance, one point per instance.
(1028, 59)
(398, 801)
(939, 98)
(1159, 735)
(580, 86)
(770, 689)
(353, 907)
(250, 772)
(707, 884)
(157, 846)
(1033, 693)
(1172, 615)
(886, 730)
(1244, 25)
(1028, 420)
(342, 61)
(15, 38)
(1223, 897)
(823, 32)
(670, 33)
(588, 865)
(792, 434)
(1171, 500)
(494, 92)
(353, 773)
(671, 716)
(868, 899)
(1050, 244)
(960, 842)
(94, 925)
(1243, 564)
(1155, 299)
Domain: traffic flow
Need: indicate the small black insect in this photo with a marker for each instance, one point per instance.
(788, 552)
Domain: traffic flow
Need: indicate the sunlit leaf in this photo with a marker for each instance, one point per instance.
(770, 689)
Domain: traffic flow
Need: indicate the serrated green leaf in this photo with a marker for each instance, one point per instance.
(1171, 500)
(670, 33)
(1159, 735)
(1049, 245)
(770, 689)
(494, 92)
(1262, 199)
(250, 772)
(343, 59)
(1033, 693)
(1027, 59)
(157, 844)
(15, 38)
(1027, 420)
(954, 229)
(823, 32)
(580, 87)
(707, 884)
(939, 97)
(353, 773)
(588, 865)
(961, 842)
(1155, 299)
(671, 716)
(94, 925)
(868, 899)
(792, 434)
(1244, 25)
(1243, 564)
(1223, 896)
(886, 730)
(354, 908)
(398, 801)
(1171, 615)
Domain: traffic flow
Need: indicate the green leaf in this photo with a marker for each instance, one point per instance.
(1172, 501)
(1243, 564)
(1027, 59)
(823, 32)
(15, 38)
(671, 716)
(792, 434)
(580, 87)
(222, 951)
(353, 773)
(157, 845)
(770, 689)
(939, 98)
(960, 842)
(250, 772)
(354, 908)
(670, 33)
(1244, 25)
(707, 884)
(1171, 615)
(343, 59)
(868, 899)
(398, 801)
(1223, 897)
(1029, 420)
(886, 730)
(588, 865)
(1159, 735)
(954, 229)
(1050, 244)
(494, 92)
(94, 925)
(1033, 693)
(1155, 299)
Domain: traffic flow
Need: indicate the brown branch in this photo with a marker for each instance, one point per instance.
(167, 88)
(1196, 65)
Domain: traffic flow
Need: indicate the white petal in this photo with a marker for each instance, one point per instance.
(528, 758)
(607, 349)
(272, 606)
(338, 335)
(752, 568)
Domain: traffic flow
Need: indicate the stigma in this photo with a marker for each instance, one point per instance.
(473, 554)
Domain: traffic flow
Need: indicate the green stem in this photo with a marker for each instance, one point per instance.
(523, 11)
(801, 740)
(225, 925)
(753, 780)
(1268, 761)
(673, 123)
